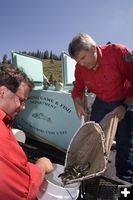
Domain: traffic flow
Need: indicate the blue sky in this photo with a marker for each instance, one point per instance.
(29, 25)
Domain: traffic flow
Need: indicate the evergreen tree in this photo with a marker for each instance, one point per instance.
(51, 79)
(51, 55)
(5, 60)
(46, 55)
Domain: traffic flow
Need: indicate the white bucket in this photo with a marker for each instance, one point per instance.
(52, 188)
(19, 135)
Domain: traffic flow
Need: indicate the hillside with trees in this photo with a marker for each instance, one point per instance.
(51, 63)
(52, 70)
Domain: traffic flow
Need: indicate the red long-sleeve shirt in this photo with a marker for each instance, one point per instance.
(112, 80)
(19, 179)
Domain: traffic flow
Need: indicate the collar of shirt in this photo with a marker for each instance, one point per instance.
(101, 59)
(5, 118)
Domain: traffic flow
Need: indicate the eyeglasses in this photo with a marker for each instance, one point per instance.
(22, 101)
(81, 60)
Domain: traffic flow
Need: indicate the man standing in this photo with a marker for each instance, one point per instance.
(107, 71)
(19, 179)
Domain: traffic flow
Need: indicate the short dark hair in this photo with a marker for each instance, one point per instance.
(12, 77)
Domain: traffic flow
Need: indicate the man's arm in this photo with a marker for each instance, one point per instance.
(128, 101)
(121, 110)
(79, 106)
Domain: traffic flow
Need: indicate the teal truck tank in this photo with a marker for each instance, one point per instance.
(50, 115)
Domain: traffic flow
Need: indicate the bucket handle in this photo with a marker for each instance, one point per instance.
(82, 120)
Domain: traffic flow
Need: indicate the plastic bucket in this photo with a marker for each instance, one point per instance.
(19, 135)
(52, 188)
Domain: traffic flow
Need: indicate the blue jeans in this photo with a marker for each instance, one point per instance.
(124, 136)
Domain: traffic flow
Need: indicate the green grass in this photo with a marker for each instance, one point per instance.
(54, 68)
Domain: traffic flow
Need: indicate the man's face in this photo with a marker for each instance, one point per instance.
(87, 59)
(14, 102)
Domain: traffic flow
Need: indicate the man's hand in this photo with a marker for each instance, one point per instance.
(129, 101)
(80, 111)
(119, 112)
(44, 164)
(79, 107)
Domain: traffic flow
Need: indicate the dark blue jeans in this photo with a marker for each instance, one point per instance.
(124, 137)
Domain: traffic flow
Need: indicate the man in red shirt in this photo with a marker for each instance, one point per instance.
(19, 179)
(107, 71)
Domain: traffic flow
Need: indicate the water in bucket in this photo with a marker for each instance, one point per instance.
(53, 189)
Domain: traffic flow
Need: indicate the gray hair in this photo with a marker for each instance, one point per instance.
(81, 41)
